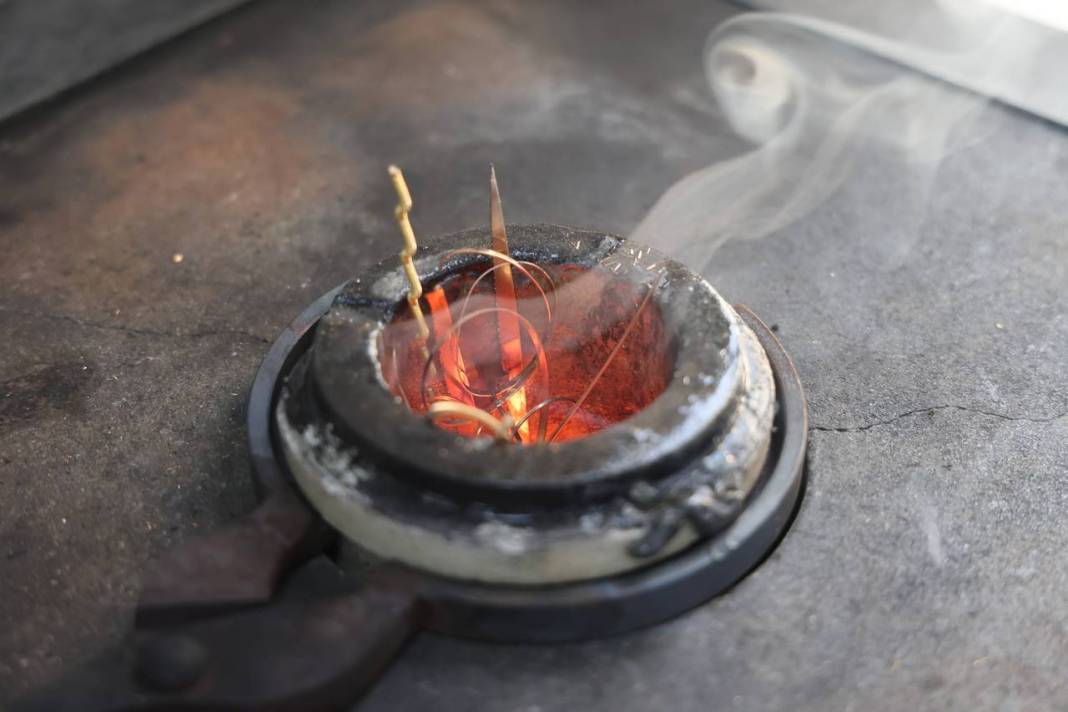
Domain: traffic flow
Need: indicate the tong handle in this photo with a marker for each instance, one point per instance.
(305, 652)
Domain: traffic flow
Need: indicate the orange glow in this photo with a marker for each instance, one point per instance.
(451, 360)
(473, 363)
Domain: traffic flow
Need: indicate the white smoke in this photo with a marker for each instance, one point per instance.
(811, 89)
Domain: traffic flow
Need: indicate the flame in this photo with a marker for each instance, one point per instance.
(451, 359)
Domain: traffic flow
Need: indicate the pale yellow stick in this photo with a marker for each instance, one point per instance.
(415, 287)
(507, 323)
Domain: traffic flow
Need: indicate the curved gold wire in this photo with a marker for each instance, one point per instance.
(446, 407)
(543, 422)
(518, 381)
(504, 392)
(532, 334)
(520, 266)
(500, 427)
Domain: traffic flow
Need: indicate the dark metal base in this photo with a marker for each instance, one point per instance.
(593, 608)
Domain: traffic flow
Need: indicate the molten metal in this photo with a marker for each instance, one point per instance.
(596, 356)
(505, 355)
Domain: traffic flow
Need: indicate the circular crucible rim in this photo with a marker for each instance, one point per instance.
(394, 519)
(683, 421)
(577, 611)
(665, 589)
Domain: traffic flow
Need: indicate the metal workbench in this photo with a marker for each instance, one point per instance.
(926, 565)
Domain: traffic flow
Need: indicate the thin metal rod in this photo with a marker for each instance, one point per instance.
(503, 284)
(504, 289)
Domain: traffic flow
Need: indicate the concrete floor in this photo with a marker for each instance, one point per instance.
(926, 566)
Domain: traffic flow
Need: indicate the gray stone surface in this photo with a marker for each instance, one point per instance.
(47, 46)
(925, 568)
